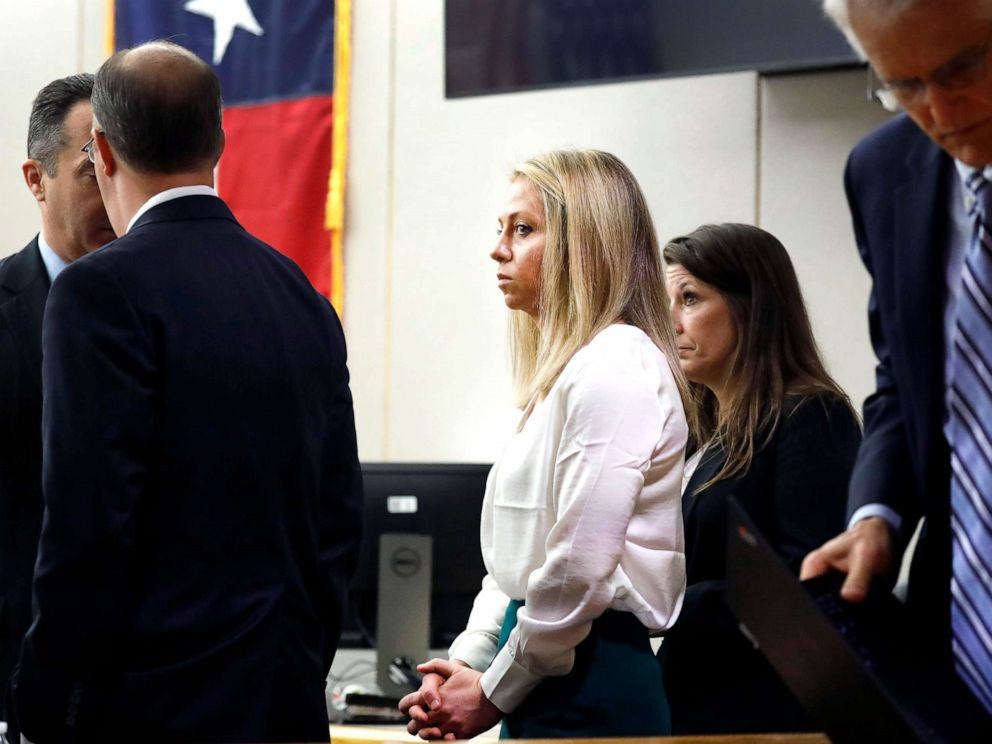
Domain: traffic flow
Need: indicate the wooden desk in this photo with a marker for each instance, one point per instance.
(368, 734)
(342, 734)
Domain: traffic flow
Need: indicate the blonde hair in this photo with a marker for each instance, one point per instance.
(601, 265)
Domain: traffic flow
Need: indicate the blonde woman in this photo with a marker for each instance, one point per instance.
(581, 528)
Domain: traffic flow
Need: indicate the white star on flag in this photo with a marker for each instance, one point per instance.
(227, 16)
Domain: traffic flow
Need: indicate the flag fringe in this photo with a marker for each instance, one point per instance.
(108, 29)
(334, 212)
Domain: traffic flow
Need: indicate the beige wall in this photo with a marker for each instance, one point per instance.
(425, 322)
(809, 123)
(40, 40)
(427, 179)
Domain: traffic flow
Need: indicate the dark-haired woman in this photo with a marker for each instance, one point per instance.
(778, 434)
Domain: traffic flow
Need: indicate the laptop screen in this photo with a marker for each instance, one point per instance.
(831, 654)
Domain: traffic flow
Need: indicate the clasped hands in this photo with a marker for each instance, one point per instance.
(450, 703)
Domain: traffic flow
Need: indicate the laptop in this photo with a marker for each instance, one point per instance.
(853, 667)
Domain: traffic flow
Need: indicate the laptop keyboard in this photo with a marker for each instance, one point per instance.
(870, 627)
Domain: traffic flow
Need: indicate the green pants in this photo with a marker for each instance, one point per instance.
(614, 688)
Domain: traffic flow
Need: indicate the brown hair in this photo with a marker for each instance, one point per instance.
(159, 106)
(776, 353)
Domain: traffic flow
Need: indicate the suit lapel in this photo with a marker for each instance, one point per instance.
(920, 247)
(708, 466)
(22, 270)
(26, 279)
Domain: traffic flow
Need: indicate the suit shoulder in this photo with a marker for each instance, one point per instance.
(278, 256)
(292, 270)
(7, 262)
(93, 269)
(888, 144)
(20, 270)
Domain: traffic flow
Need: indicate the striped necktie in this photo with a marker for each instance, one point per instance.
(971, 457)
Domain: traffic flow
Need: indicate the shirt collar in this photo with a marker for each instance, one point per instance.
(964, 173)
(169, 195)
(54, 263)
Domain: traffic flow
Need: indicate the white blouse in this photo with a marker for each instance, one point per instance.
(582, 513)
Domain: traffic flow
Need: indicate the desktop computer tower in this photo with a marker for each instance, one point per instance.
(404, 612)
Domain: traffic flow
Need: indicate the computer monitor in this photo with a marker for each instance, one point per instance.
(439, 500)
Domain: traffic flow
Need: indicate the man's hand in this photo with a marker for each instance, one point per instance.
(450, 703)
(862, 552)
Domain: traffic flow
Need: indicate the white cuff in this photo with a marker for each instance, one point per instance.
(876, 510)
(506, 683)
(475, 648)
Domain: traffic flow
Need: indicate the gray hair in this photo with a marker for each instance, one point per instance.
(838, 12)
(46, 127)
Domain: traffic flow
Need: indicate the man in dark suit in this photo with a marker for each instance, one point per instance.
(73, 223)
(906, 184)
(201, 481)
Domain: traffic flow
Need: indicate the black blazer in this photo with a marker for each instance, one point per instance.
(202, 492)
(795, 491)
(23, 290)
(897, 187)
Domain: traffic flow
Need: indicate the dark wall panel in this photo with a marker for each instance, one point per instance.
(498, 46)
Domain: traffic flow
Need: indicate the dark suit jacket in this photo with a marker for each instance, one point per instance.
(202, 492)
(897, 183)
(795, 491)
(897, 186)
(23, 290)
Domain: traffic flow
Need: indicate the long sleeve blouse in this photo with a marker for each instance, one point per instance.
(582, 514)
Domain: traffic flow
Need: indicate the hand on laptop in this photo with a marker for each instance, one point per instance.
(863, 552)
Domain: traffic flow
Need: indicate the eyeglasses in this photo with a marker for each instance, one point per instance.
(875, 92)
(89, 149)
(968, 67)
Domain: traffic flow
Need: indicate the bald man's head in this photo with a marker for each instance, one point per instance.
(159, 106)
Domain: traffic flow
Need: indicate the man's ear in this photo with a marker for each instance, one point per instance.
(109, 162)
(34, 177)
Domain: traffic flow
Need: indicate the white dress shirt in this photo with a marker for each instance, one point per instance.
(582, 514)
(168, 195)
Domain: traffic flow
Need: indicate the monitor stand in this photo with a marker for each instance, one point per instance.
(404, 613)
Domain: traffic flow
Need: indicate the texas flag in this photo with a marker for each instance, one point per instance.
(276, 63)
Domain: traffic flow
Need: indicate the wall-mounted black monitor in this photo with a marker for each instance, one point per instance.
(499, 46)
(447, 506)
